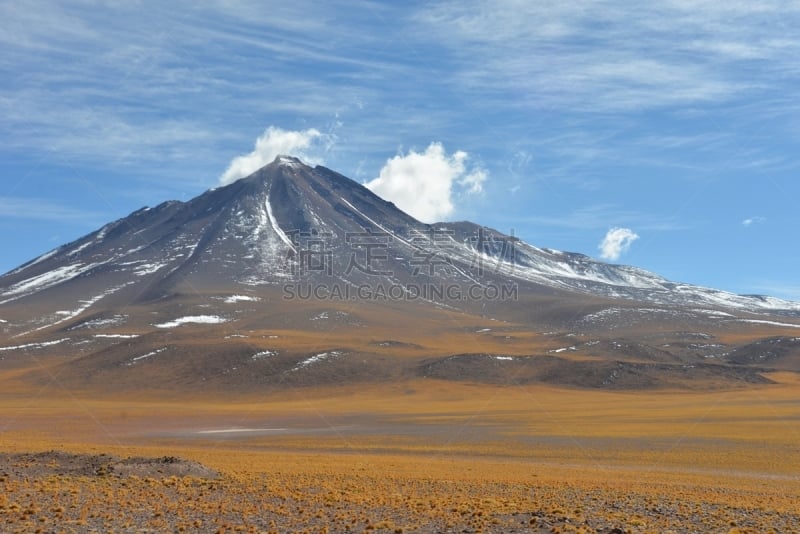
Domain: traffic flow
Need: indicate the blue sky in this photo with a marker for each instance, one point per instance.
(676, 123)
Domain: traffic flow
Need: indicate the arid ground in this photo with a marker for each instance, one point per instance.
(419, 456)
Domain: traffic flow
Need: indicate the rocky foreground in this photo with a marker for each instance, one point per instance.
(60, 492)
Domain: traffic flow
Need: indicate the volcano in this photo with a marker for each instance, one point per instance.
(299, 275)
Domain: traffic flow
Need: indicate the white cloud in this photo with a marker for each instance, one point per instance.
(616, 242)
(750, 221)
(274, 142)
(421, 184)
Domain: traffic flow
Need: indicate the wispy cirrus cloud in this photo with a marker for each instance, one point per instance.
(175, 83)
(194, 85)
(600, 215)
(615, 56)
(43, 209)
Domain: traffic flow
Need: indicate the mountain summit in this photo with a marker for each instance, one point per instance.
(229, 236)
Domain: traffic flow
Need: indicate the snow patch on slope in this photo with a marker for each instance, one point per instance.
(34, 345)
(316, 359)
(84, 305)
(769, 323)
(45, 280)
(66, 315)
(275, 226)
(192, 319)
(268, 242)
(81, 248)
(133, 361)
(233, 299)
(148, 268)
(263, 354)
(101, 322)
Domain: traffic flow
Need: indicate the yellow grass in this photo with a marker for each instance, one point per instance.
(427, 452)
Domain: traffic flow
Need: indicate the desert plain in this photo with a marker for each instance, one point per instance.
(420, 455)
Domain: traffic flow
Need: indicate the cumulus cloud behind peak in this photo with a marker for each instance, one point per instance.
(616, 242)
(304, 144)
(422, 183)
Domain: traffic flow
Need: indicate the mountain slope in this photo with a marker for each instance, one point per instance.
(257, 231)
(299, 275)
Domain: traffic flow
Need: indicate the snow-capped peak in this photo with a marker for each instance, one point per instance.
(289, 161)
(289, 219)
